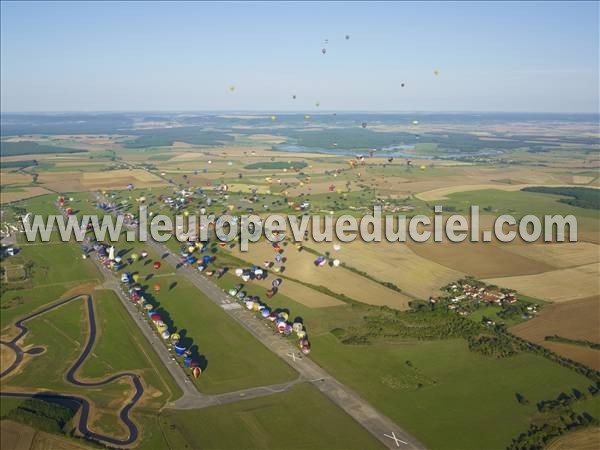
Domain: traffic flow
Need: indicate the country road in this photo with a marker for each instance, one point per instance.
(379, 425)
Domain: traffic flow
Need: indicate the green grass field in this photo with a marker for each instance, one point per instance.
(234, 358)
(298, 419)
(463, 395)
(122, 347)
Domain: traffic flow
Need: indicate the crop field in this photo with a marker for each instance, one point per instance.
(480, 259)
(393, 262)
(14, 178)
(21, 193)
(299, 266)
(271, 421)
(576, 319)
(556, 285)
(586, 439)
(89, 181)
(559, 255)
(16, 436)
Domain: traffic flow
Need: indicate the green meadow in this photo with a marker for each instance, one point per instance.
(233, 358)
(301, 418)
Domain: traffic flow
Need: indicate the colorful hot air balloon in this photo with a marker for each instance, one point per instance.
(156, 265)
(157, 288)
(196, 371)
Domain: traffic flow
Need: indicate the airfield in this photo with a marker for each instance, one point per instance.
(369, 372)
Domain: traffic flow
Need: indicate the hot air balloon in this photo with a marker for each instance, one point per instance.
(436, 72)
(273, 118)
(196, 371)
(364, 124)
(179, 349)
(156, 265)
(323, 50)
(347, 36)
(401, 84)
(157, 288)
(294, 97)
(231, 88)
(317, 104)
(306, 117)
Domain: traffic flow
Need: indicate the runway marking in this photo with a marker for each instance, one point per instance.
(396, 440)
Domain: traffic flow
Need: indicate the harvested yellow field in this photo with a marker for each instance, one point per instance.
(14, 178)
(442, 193)
(480, 259)
(23, 193)
(559, 255)
(299, 266)
(239, 187)
(556, 285)
(394, 262)
(302, 294)
(16, 436)
(585, 439)
(7, 356)
(580, 179)
(268, 138)
(89, 181)
(577, 319)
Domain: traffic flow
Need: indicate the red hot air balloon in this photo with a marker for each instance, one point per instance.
(157, 288)
(156, 265)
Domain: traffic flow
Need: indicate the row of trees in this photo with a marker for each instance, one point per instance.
(560, 418)
(42, 415)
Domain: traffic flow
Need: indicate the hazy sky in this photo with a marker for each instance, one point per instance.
(183, 56)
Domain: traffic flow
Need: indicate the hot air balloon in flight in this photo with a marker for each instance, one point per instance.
(364, 124)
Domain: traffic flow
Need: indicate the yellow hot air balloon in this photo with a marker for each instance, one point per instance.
(306, 117)
(422, 167)
(273, 118)
(186, 213)
(231, 88)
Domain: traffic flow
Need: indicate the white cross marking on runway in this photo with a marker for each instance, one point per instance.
(397, 440)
